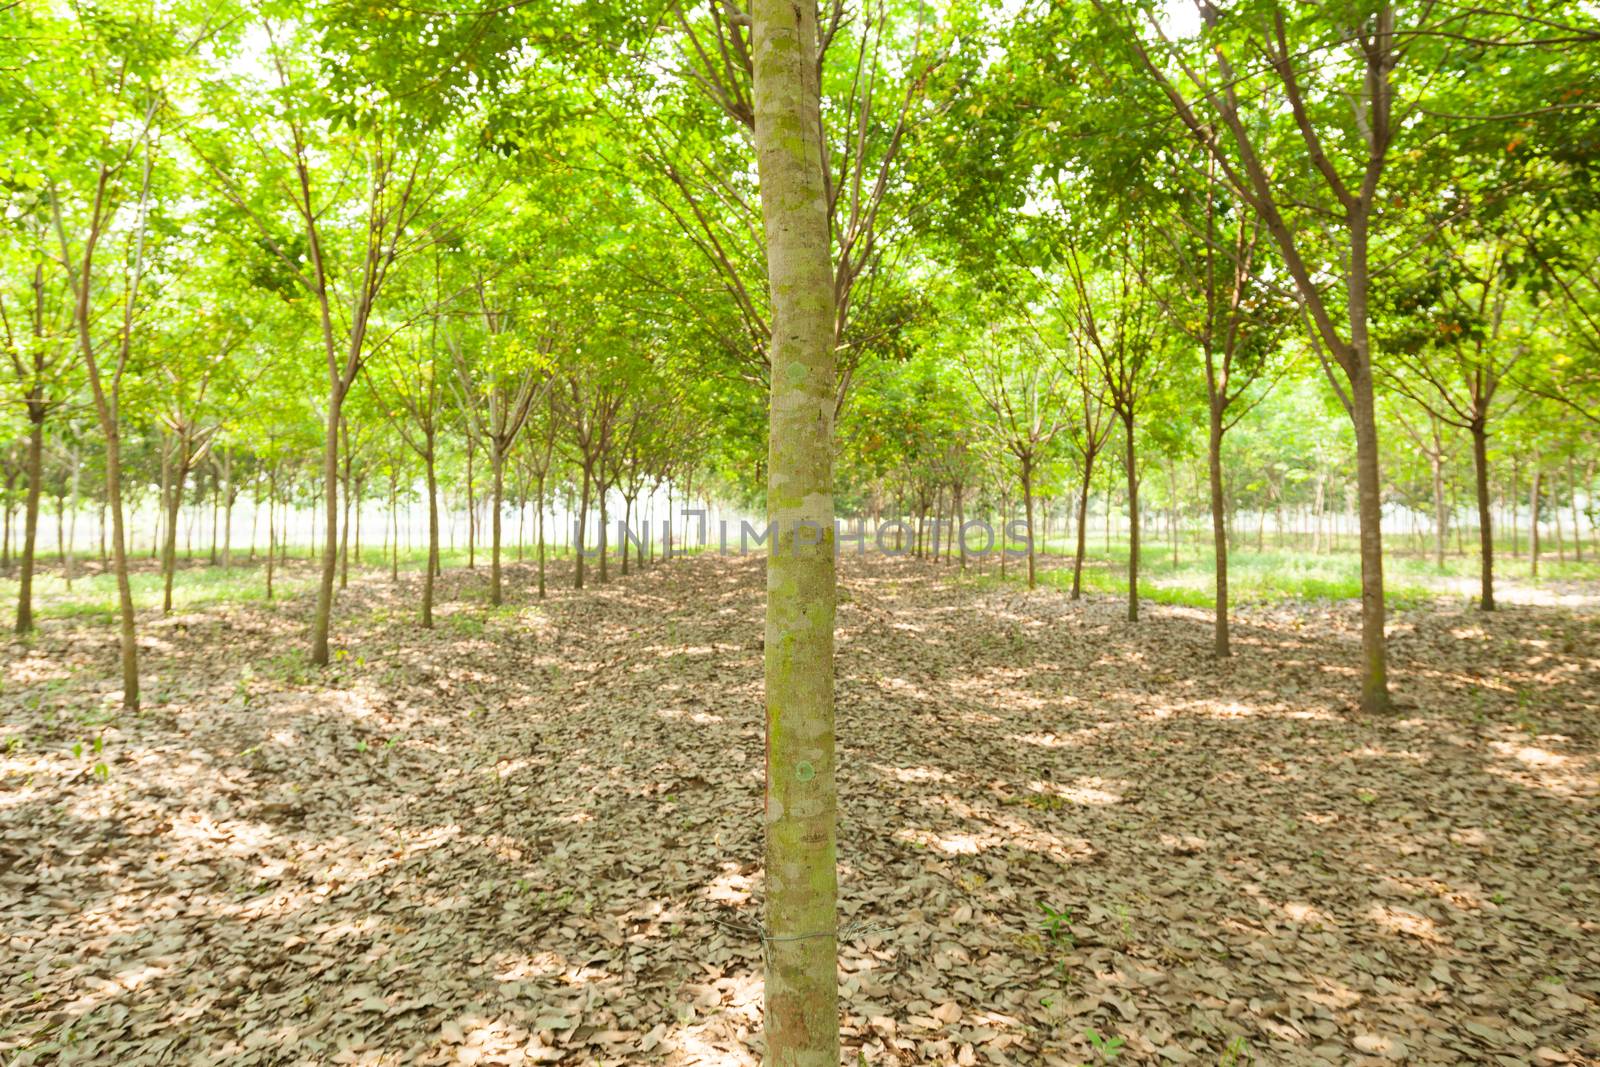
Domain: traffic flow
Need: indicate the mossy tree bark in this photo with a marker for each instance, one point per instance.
(1219, 533)
(1480, 475)
(802, 1013)
(432, 569)
(1131, 464)
(31, 519)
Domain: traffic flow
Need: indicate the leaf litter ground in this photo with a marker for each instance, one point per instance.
(532, 835)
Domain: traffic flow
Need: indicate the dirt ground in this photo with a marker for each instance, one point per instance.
(511, 839)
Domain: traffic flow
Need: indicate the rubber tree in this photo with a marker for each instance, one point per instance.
(498, 381)
(801, 991)
(1211, 290)
(1115, 325)
(1312, 174)
(37, 343)
(1087, 433)
(1022, 391)
(136, 155)
(367, 198)
(405, 377)
(589, 397)
(1452, 353)
(536, 457)
(200, 391)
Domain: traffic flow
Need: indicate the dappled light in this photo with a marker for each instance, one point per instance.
(553, 858)
(754, 533)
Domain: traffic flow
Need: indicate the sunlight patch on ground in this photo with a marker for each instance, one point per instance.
(35, 669)
(1401, 921)
(1535, 767)
(1306, 913)
(702, 718)
(1379, 752)
(1048, 740)
(953, 844)
(1529, 755)
(1093, 791)
(913, 774)
(731, 887)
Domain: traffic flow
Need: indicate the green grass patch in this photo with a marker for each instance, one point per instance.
(1253, 578)
(94, 597)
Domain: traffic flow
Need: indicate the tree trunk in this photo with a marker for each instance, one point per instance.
(801, 989)
(1369, 497)
(961, 515)
(1480, 469)
(394, 528)
(158, 539)
(497, 459)
(255, 522)
(344, 525)
(1172, 513)
(603, 491)
(472, 515)
(169, 552)
(432, 568)
(1219, 532)
(1516, 526)
(322, 620)
(1108, 521)
(583, 520)
(1455, 510)
(627, 517)
(1027, 507)
(119, 560)
(5, 543)
(1533, 517)
(540, 503)
(1133, 521)
(1005, 529)
(1044, 525)
(1440, 515)
(216, 512)
(1231, 523)
(1083, 529)
(272, 530)
(1577, 530)
(227, 510)
(72, 531)
(1588, 490)
(949, 547)
(30, 537)
(1317, 508)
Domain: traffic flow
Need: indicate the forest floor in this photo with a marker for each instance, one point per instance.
(1064, 838)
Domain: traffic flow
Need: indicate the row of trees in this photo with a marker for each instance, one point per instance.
(1275, 488)
(470, 250)
(1048, 430)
